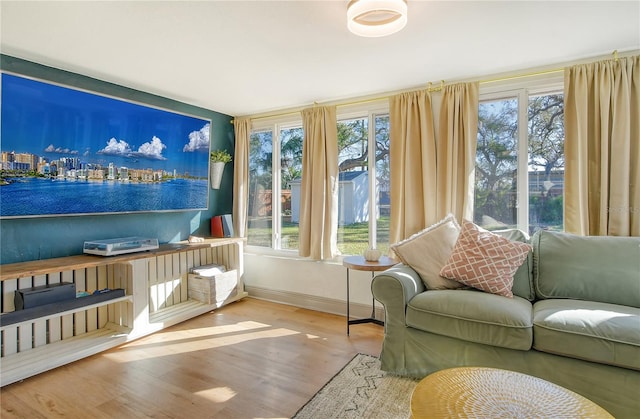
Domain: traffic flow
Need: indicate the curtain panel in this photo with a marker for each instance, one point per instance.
(456, 150)
(602, 148)
(432, 165)
(412, 162)
(319, 187)
(242, 128)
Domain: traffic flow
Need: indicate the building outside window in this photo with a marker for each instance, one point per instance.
(363, 164)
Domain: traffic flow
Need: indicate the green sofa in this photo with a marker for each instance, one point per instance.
(574, 320)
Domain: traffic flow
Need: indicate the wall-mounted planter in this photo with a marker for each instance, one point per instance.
(217, 168)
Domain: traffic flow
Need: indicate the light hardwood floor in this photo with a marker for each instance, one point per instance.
(250, 359)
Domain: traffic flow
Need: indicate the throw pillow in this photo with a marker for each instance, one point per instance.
(484, 260)
(428, 250)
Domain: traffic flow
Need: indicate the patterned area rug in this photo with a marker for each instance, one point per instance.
(361, 390)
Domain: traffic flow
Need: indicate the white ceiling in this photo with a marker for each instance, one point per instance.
(249, 57)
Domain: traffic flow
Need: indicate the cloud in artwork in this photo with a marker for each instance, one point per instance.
(198, 140)
(149, 150)
(59, 150)
(116, 148)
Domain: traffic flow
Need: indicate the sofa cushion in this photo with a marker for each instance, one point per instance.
(593, 331)
(484, 260)
(428, 250)
(591, 268)
(473, 316)
(523, 278)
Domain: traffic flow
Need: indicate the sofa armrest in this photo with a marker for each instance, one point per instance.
(394, 288)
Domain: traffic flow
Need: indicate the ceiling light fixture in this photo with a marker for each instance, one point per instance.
(373, 18)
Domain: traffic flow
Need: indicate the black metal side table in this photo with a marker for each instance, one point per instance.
(359, 263)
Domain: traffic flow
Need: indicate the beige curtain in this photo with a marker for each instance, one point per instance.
(319, 187)
(412, 161)
(456, 150)
(242, 128)
(602, 148)
(432, 175)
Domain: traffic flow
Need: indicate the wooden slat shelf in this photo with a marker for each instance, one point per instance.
(45, 266)
(184, 311)
(179, 313)
(34, 361)
(65, 312)
(155, 285)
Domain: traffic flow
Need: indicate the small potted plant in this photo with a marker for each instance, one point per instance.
(218, 159)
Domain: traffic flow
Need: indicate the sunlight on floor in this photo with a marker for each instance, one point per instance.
(217, 394)
(184, 341)
(169, 335)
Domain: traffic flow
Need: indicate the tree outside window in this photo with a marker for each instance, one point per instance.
(275, 169)
(496, 192)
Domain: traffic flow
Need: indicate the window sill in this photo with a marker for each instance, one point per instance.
(288, 255)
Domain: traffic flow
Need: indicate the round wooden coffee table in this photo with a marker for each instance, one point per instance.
(494, 393)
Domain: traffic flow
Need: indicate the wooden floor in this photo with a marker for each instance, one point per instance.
(250, 359)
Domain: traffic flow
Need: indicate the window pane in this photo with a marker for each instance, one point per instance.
(290, 177)
(383, 185)
(260, 181)
(353, 189)
(496, 164)
(546, 162)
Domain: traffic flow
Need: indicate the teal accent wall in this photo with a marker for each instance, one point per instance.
(28, 239)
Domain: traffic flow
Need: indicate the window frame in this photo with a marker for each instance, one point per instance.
(521, 90)
(369, 109)
(276, 125)
(519, 87)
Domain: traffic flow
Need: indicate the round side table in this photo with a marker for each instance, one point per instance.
(359, 263)
(495, 393)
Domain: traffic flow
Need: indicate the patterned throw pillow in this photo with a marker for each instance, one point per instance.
(428, 250)
(483, 260)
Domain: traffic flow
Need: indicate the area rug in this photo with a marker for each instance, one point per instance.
(361, 390)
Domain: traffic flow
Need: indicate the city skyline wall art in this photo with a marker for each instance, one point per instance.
(67, 151)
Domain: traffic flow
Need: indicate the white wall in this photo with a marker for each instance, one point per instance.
(309, 284)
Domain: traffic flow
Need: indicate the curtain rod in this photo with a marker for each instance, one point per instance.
(523, 75)
(430, 88)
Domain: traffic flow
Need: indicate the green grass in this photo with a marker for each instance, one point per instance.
(353, 239)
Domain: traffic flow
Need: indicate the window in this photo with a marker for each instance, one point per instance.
(515, 166)
(546, 162)
(495, 202)
(260, 209)
(275, 169)
(363, 165)
(519, 172)
(290, 178)
(383, 183)
(267, 181)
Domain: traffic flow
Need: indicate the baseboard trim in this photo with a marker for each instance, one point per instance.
(312, 302)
